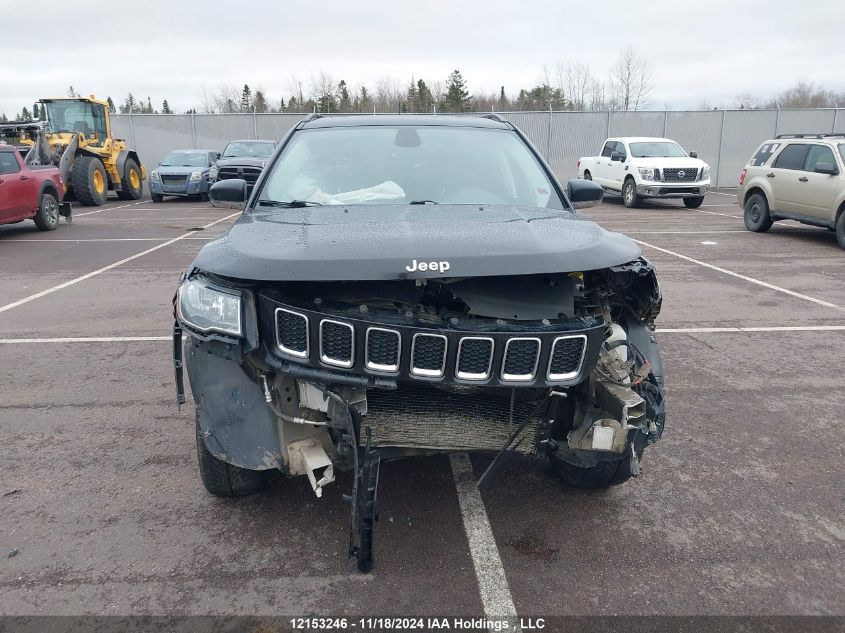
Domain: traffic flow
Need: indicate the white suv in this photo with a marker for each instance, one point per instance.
(644, 167)
(796, 177)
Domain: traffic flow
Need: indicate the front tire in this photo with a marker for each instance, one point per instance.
(629, 194)
(131, 183)
(602, 475)
(222, 479)
(588, 175)
(693, 203)
(157, 197)
(840, 229)
(47, 217)
(89, 181)
(756, 215)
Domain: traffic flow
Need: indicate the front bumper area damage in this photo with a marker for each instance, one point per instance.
(336, 376)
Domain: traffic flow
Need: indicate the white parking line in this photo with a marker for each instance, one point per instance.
(122, 206)
(107, 239)
(489, 571)
(719, 193)
(725, 215)
(725, 271)
(671, 330)
(76, 280)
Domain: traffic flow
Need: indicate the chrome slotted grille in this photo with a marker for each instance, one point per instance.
(475, 357)
(521, 357)
(566, 357)
(428, 355)
(383, 349)
(292, 332)
(337, 343)
(680, 174)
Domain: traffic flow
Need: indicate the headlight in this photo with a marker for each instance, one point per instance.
(648, 173)
(154, 175)
(705, 174)
(212, 173)
(196, 175)
(208, 309)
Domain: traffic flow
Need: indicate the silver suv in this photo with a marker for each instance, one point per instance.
(796, 177)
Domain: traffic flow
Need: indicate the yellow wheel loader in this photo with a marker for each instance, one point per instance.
(76, 136)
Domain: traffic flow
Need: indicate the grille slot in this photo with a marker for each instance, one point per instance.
(566, 357)
(521, 358)
(250, 174)
(337, 343)
(680, 174)
(475, 357)
(383, 347)
(292, 332)
(428, 355)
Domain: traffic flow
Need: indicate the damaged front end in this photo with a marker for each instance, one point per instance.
(313, 377)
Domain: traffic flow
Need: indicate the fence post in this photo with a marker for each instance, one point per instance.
(607, 134)
(193, 131)
(254, 124)
(835, 119)
(719, 156)
(548, 155)
(665, 116)
(777, 122)
(132, 131)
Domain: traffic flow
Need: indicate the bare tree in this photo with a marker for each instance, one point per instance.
(575, 82)
(631, 82)
(743, 101)
(323, 91)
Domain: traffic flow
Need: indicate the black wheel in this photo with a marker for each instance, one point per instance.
(602, 475)
(588, 175)
(222, 479)
(157, 197)
(629, 194)
(133, 186)
(756, 215)
(840, 229)
(89, 181)
(204, 197)
(693, 203)
(47, 218)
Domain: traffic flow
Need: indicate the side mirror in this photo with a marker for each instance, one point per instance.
(584, 193)
(617, 157)
(826, 168)
(693, 154)
(229, 194)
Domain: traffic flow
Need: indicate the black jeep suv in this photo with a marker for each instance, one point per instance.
(413, 285)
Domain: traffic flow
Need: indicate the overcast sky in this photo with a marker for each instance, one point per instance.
(699, 51)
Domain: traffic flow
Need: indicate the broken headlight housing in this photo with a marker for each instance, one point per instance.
(206, 308)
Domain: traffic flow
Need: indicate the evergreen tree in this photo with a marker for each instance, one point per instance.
(365, 101)
(457, 97)
(425, 100)
(503, 100)
(165, 107)
(71, 92)
(148, 109)
(344, 103)
(293, 104)
(282, 104)
(112, 109)
(411, 103)
(246, 99)
(130, 104)
(25, 115)
(260, 103)
(3, 118)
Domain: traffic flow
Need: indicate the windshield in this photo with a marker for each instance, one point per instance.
(245, 148)
(658, 149)
(76, 116)
(185, 159)
(409, 164)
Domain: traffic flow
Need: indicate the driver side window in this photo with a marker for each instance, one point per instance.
(620, 148)
(609, 148)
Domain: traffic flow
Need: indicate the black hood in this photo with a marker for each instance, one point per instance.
(241, 161)
(335, 243)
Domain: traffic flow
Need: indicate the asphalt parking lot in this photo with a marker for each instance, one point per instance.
(738, 509)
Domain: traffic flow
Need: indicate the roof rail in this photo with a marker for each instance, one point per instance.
(836, 134)
(312, 116)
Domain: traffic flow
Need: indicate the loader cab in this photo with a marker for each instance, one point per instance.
(78, 116)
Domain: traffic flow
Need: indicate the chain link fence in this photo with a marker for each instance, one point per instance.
(724, 138)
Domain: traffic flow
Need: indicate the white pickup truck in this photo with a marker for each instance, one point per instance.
(644, 167)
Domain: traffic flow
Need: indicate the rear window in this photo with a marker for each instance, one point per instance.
(792, 156)
(764, 154)
(8, 164)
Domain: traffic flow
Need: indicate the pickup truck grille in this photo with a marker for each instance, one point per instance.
(679, 174)
(250, 174)
(520, 356)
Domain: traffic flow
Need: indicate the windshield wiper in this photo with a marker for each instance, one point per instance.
(289, 204)
(423, 202)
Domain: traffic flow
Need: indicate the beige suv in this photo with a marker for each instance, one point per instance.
(796, 177)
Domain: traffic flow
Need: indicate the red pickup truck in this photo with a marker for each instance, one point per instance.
(30, 192)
